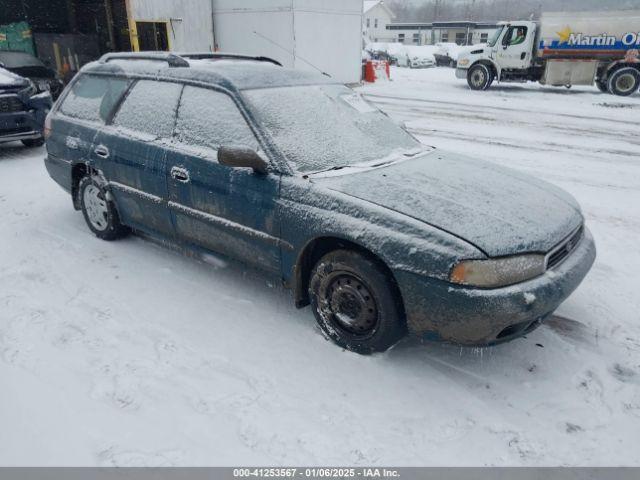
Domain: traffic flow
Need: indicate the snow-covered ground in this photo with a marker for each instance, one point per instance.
(130, 353)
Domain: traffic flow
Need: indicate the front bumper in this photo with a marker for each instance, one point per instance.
(461, 73)
(27, 124)
(438, 310)
(20, 126)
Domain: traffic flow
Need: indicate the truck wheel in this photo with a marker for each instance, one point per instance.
(624, 82)
(480, 77)
(99, 212)
(354, 303)
(602, 86)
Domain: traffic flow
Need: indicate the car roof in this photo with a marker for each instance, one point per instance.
(233, 72)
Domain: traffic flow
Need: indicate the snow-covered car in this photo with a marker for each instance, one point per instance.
(421, 62)
(22, 110)
(297, 175)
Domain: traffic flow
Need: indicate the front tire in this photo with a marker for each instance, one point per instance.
(480, 77)
(354, 302)
(99, 211)
(624, 81)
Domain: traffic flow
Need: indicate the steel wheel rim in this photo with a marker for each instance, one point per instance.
(478, 78)
(350, 305)
(626, 82)
(96, 207)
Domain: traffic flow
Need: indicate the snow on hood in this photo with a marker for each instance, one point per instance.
(498, 210)
(8, 79)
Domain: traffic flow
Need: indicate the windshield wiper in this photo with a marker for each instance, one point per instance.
(409, 154)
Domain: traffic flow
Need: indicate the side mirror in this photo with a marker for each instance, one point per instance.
(242, 157)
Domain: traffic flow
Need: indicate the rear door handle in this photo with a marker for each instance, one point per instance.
(180, 174)
(101, 151)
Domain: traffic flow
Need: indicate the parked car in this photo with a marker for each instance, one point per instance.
(447, 54)
(22, 110)
(421, 62)
(297, 175)
(28, 66)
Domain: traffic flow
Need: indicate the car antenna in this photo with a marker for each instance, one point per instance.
(291, 53)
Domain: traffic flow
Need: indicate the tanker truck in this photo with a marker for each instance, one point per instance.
(562, 49)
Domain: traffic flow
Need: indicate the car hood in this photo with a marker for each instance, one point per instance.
(498, 210)
(11, 80)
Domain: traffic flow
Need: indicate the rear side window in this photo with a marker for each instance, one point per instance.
(150, 107)
(207, 118)
(92, 97)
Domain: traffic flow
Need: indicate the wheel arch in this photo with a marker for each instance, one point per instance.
(489, 63)
(318, 247)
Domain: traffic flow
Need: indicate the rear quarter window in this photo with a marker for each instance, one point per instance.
(150, 107)
(93, 97)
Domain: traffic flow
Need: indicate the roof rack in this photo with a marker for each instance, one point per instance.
(171, 58)
(226, 56)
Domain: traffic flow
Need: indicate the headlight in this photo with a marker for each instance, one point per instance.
(463, 62)
(498, 272)
(30, 91)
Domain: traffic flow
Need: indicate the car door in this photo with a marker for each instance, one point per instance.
(83, 111)
(133, 146)
(227, 210)
(514, 53)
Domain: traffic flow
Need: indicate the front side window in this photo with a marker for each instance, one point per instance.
(93, 97)
(150, 107)
(210, 119)
(321, 127)
(375, 23)
(516, 36)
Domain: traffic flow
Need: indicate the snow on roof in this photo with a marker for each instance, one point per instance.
(369, 4)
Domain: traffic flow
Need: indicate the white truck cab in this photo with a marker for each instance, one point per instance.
(563, 49)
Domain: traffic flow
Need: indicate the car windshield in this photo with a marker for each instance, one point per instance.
(19, 60)
(324, 127)
(494, 38)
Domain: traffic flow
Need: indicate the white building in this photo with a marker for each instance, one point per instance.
(181, 26)
(314, 35)
(376, 16)
(459, 32)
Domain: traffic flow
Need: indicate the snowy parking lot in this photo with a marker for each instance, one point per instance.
(134, 353)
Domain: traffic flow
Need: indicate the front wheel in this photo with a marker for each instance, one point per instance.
(99, 211)
(354, 302)
(480, 77)
(624, 82)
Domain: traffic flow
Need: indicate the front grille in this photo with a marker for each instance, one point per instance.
(563, 250)
(10, 104)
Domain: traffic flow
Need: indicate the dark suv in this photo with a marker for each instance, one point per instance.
(22, 110)
(297, 175)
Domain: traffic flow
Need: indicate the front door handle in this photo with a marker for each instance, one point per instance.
(180, 174)
(101, 151)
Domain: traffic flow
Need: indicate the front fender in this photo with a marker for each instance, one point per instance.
(309, 212)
